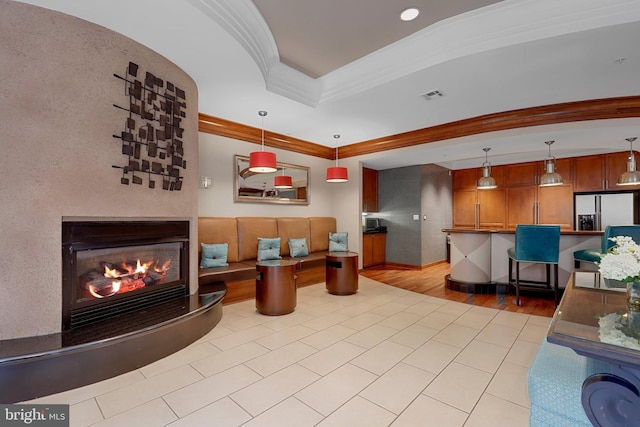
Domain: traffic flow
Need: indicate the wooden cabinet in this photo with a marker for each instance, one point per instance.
(478, 208)
(540, 205)
(555, 206)
(466, 179)
(491, 208)
(373, 249)
(521, 205)
(616, 165)
(464, 208)
(528, 203)
(369, 190)
(600, 172)
(520, 200)
(520, 174)
(565, 167)
(590, 173)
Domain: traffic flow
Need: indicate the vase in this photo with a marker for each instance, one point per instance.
(633, 296)
(633, 305)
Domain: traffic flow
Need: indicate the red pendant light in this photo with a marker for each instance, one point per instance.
(262, 161)
(337, 173)
(282, 181)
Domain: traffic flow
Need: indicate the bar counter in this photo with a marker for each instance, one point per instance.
(479, 261)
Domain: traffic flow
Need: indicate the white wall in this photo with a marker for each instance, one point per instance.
(340, 200)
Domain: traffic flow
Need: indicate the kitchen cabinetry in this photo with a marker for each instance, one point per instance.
(466, 179)
(600, 172)
(373, 249)
(532, 204)
(520, 200)
(474, 208)
(590, 173)
(528, 203)
(369, 190)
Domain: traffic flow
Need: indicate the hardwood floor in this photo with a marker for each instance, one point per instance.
(430, 281)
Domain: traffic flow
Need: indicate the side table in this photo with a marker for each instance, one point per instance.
(276, 287)
(342, 273)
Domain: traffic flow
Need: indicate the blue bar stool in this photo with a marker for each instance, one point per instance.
(535, 244)
(593, 255)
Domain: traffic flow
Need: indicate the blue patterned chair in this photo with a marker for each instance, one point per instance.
(535, 244)
(593, 255)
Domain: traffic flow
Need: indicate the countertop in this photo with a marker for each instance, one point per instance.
(512, 231)
(374, 231)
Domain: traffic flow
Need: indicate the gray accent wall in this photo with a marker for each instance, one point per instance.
(398, 200)
(437, 212)
(425, 191)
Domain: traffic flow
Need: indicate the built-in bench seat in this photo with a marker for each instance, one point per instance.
(555, 386)
(242, 233)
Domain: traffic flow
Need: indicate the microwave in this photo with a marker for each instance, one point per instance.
(372, 224)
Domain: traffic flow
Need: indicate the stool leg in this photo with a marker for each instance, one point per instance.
(518, 283)
(510, 270)
(548, 271)
(555, 283)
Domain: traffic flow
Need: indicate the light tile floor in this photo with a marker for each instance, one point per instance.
(382, 357)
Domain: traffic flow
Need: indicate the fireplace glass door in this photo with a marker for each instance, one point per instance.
(106, 273)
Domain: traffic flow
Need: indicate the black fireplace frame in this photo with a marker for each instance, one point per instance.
(86, 235)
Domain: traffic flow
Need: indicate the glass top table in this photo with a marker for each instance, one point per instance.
(593, 321)
(577, 322)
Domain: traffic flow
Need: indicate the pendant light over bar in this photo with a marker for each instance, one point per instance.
(631, 176)
(262, 161)
(282, 181)
(487, 182)
(337, 173)
(550, 177)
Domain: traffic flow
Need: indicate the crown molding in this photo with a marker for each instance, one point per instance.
(243, 21)
(595, 109)
(291, 83)
(229, 129)
(499, 25)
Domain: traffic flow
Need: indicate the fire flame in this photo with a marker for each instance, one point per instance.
(128, 278)
(115, 287)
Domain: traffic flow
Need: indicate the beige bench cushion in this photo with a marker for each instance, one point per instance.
(320, 227)
(249, 229)
(292, 228)
(219, 230)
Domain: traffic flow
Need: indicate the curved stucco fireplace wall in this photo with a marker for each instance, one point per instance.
(56, 103)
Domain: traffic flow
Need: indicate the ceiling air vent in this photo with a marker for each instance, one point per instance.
(432, 94)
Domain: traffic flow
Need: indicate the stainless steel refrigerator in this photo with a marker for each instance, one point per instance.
(596, 211)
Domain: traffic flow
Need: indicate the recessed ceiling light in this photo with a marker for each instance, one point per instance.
(410, 14)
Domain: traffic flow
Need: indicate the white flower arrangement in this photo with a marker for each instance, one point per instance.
(622, 261)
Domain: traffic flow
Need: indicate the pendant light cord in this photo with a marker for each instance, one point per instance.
(631, 144)
(262, 113)
(336, 136)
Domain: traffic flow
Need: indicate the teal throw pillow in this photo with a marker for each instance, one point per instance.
(268, 248)
(214, 255)
(338, 242)
(298, 247)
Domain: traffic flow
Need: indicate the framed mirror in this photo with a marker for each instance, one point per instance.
(253, 187)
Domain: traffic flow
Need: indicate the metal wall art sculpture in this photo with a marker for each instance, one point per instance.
(152, 130)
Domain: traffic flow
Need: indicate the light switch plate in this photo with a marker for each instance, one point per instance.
(416, 217)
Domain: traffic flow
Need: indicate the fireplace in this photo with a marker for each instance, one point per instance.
(111, 328)
(116, 267)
